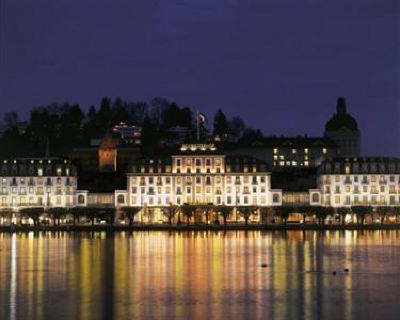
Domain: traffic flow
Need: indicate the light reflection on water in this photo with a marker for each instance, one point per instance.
(200, 275)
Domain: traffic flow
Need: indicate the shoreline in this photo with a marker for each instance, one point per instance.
(184, 227)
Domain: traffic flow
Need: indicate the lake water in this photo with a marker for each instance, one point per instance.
(201, 275)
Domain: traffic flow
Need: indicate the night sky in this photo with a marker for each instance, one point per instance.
(279, 64)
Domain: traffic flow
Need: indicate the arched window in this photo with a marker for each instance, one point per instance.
(315, 197)
(120, 198)
(81, 199)
(275, 198)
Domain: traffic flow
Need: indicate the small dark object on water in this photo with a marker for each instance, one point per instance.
(334, 273)
(264, 265)
(346, 270)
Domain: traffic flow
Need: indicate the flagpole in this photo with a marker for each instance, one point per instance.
(198, 126)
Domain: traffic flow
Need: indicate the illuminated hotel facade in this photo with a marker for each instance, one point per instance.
(204, 177)
(197, 175)
(49, 182)
(346, 182)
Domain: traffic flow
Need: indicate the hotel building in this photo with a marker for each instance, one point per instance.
(345, 182)
(198, 175)
(48, 182)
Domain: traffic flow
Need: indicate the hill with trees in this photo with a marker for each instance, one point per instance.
(59, 127)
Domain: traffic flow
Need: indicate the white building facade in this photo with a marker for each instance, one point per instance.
(49, 182)
(199, 175)
(347, 182)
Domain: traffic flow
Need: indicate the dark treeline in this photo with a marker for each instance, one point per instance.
(57, 128)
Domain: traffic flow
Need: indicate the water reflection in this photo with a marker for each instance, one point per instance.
(200, 275)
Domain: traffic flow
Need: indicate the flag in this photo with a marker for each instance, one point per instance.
(201, 118)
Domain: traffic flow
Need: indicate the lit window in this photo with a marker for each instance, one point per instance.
(275, 150)
(324, 151)
(40, 172)
(306, 150)
(294, 151)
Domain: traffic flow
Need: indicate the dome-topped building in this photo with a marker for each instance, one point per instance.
(342, 128)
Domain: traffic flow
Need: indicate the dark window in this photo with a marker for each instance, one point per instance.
(81, 199)
(120, 198)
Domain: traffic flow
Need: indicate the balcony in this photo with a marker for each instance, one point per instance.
(365, 181)
(347, 181)
(383, 181)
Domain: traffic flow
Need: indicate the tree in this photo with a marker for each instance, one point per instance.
(322, 213)
(225, 212)
(361, 212)
(186, 117)
(264, 212)
(91, 214)
(396, 212)
(130, 213)
(104, 114)
(283, 212)
(56, 214)
(158, 104)
(6, 213)
(188, 211)
(171, 116)
(236, 127)
(77, 213)
(150, 139)
(382, 213)
(107, 214)
(33, 213)
(170, 212)
(246, 212)
(119, 111)
(343, 212)
(11, 119)
(91, 113)
(251, 135)
(221, 127)
(305, 211)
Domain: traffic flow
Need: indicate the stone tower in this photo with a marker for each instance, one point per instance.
(342, 128)
(107, 153)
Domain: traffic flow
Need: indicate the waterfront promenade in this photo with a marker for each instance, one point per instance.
(198, 227)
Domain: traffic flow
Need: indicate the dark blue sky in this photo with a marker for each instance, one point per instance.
(279, 64)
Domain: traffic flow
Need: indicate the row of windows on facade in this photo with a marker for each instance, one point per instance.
(199, 179)
(362, 179)
(282, 157)
(229, 200)
(199, 189)
(364, 167)
(305, 150)
(228, 169)
(365, 189)
(364, 200)
(291, 163)
(197, 162)
(14, 181)
(39, 201)
(38, 190)
(32, 170)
